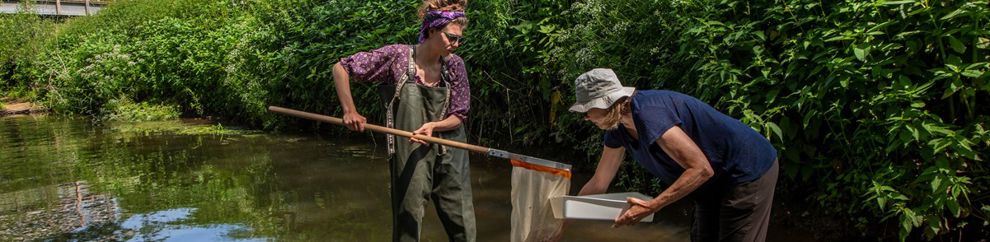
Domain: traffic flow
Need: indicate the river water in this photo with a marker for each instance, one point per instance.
(189, 180)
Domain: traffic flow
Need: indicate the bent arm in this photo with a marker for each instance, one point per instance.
(447, 124)
(697, 169)
(608, 165)
(342, 83)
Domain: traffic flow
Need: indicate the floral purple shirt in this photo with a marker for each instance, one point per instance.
(388, 64)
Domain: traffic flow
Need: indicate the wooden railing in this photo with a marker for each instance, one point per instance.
(58, 4)
(91, 2)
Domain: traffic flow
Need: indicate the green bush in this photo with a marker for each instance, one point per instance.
(22, 40)
(872, 105)
(168, 52)
(286, 57)
(872, 102)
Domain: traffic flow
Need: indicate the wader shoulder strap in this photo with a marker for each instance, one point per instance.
(445, 78)
(389, 113)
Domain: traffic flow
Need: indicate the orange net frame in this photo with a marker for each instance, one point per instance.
(535, 167)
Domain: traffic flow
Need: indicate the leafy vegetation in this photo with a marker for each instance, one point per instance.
(22, 41)
(124, 110)
(873, 105)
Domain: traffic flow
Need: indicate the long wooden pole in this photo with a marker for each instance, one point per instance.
(380, 129)
(430, 139)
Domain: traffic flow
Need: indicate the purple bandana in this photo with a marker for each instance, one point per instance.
(437, 19)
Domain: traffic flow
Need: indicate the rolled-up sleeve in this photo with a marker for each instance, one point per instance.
(460, 95)
(372, 66)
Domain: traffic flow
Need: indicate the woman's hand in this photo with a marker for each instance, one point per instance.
(638, 209)
(425, 130)
(354, 121)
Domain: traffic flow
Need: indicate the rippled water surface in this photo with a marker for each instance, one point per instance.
(68, 179)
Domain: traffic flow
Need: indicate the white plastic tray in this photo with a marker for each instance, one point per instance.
(597, 207)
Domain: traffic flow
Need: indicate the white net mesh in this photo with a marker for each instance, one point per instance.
(532, 189)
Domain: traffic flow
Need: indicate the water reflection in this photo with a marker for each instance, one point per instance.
(67, 179)
(167, 226)
(124, 172)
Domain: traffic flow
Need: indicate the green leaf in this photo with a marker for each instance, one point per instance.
(917, 220)
(899, 2)
(933, 228)
(772, 94)
(714, 22)
(948, 93)
(807, 119)
(953, 62)
(906, 33)
(954, 87)
(837, 38)
(953, 14)
(956, 45)
(953, 205)
(914, 132)
(860, 53)
(972, 73)
(776, 130)
(976, 65)
(908, 221)
(936, 184)
(918, 104)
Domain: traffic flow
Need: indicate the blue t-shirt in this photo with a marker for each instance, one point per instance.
(737, 153)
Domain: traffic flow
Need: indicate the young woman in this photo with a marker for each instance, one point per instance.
(425, 89)
(728, 169)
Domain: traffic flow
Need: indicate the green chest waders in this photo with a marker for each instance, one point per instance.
(426, 172)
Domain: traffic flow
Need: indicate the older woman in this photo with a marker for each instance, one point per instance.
(425, 89)
(727, 168)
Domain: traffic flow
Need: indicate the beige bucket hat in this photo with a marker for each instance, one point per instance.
(598, 88)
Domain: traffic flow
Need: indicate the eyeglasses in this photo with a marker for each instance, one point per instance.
(453, 38)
